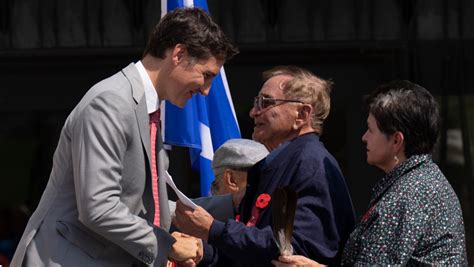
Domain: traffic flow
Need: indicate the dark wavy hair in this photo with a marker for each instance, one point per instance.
(409, 108)
(194, 28)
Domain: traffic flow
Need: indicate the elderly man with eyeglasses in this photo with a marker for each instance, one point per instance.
(288, 112)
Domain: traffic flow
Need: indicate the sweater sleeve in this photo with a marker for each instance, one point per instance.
(250, 245)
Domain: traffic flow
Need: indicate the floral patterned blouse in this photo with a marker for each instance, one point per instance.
(414, 219)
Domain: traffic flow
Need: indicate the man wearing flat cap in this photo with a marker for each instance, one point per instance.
(230, 165)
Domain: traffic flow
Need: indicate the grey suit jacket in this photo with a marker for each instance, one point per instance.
(97, 207)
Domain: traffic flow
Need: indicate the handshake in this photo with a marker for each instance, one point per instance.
(195, 224)
(187, 250)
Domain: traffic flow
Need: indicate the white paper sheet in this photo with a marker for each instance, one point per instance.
(184, 199)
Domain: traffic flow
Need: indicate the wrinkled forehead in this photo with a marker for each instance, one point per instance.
(274, 86)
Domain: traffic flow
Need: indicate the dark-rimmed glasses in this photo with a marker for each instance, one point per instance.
(260, 102)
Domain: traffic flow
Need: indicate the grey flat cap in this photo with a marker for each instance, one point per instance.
(238, 154)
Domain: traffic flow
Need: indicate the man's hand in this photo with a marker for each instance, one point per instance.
(193, 222)
(191, 262)
(186, 249)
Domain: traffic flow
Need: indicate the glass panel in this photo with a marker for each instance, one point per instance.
(455, 152)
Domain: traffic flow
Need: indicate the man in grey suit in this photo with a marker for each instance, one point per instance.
(98, 207)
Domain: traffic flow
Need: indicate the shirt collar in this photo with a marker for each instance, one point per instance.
(383, 184)
(275, 153)
(152, 100)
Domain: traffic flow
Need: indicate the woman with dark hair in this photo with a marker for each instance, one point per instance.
(414, 216)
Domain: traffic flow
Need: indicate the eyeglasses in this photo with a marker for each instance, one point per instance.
(261, 102)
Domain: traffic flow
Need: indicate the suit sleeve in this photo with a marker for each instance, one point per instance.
(99, 142)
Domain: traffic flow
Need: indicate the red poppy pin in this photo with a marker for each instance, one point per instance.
(262, 201)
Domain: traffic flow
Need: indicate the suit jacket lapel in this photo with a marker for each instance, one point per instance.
(141, 111)
(144, 127)
(141, 114)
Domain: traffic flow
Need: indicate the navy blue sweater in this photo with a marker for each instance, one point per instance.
(324, 214)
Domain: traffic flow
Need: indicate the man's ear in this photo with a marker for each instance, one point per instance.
(230, 180)
(303, 115)
(179, 53)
